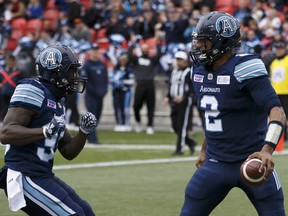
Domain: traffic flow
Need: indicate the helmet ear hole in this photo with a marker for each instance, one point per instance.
(52, 80)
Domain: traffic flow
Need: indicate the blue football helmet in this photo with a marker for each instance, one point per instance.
(222, 30)
(58, 65)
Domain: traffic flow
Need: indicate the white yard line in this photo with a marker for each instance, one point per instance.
(121, 163)
(135, 162)
(132, 146)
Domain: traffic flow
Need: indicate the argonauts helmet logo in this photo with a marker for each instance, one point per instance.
(51, 58)
(226, 26)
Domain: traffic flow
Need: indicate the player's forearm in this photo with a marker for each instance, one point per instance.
(276, 127)
(277, 114)
(203, 148)
(75, 146)
(19, 135)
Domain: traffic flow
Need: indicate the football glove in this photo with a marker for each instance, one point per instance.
(88, 123)
(57, 124)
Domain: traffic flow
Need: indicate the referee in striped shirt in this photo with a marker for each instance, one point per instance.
(179, 97)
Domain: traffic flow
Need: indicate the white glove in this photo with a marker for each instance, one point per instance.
(57, 124)
(88, 123)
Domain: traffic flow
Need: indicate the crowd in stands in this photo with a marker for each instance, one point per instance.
(28, 26)
(46, 22)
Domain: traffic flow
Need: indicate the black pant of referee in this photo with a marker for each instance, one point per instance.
(181, 114)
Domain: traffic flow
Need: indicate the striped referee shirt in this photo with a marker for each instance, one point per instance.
(180, 83)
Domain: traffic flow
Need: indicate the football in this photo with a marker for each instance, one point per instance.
(249, 172)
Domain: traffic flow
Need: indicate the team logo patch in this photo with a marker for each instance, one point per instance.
(198, 78)
(226, 26)
(51, 103)
(223, 80)
(50, 58)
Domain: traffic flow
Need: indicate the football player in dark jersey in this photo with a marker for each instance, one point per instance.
(34, 128)
(236, 97)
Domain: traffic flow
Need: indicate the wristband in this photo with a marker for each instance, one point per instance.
(274, 133)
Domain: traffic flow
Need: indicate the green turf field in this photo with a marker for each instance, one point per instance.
(154, 189)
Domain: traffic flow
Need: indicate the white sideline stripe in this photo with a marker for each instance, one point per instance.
(121, 163)
(135, 162)
(135, 146)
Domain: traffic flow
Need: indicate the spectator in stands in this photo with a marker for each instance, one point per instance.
(146, 23)
(96, 72)
(242, 12)
(250, 23)
(61, 5)
(268, 38)
(187, 9)
(130, 24)
(116, 7)
(8, 79)
(75, 10)
(131, 8)
(285, 31)
(258, 10)
(97, 16)
(45, 37)
(2, 58)
(271, 21)
(279, 75)
(173, 25)
(63, 33)
(250, 42)
(198, 4)
(2, 7)
(15, 9)
(121, 80)
(143, 67)
(115, 26)
(34, 9)
(80, 31)
(192, 21)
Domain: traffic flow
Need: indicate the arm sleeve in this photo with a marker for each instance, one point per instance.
(252, 75)
(263, 93)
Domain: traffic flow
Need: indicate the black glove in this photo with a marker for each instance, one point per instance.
(88, 123)
(57, 124)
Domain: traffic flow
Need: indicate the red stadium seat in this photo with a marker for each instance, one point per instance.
(18, 28)
(101, 38)
(11, 44)
(33, 25)
(228, 6)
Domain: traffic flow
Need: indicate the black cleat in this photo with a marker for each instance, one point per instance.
(192, 147)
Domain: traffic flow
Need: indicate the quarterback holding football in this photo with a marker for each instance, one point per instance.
(236, 97)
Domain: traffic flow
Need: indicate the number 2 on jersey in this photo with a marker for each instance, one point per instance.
(210, 104)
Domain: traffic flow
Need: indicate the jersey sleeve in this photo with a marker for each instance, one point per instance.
(28, 94)
(249, 67)
(263, 93)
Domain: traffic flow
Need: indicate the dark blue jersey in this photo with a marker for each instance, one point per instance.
(97, 76)
(236, 100)
(35, 159)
